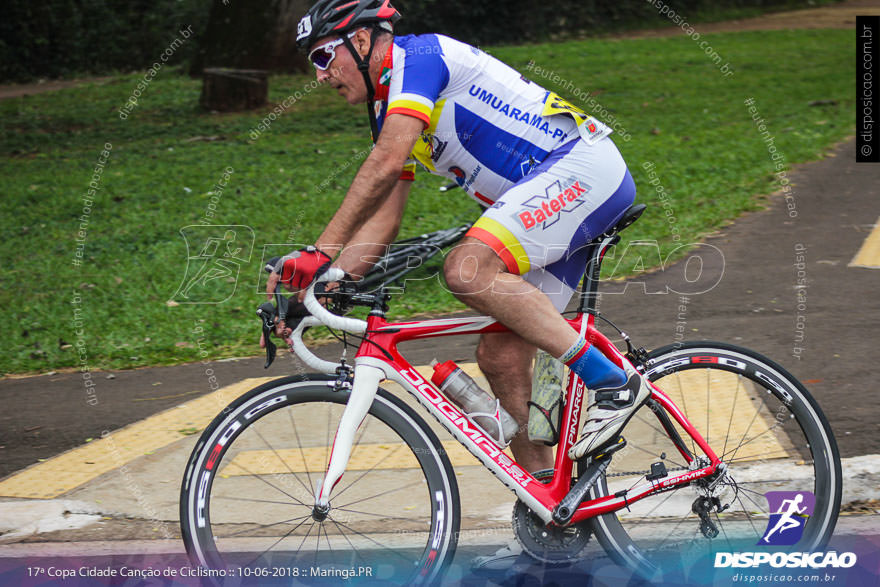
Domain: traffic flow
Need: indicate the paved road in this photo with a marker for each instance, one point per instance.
(755, 304)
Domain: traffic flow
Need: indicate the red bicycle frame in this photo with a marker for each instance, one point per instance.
(380, 350)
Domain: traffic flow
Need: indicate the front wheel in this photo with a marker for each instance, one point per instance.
(767, 430)
(247, 499)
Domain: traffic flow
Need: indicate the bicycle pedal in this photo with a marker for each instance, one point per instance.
(611, 448)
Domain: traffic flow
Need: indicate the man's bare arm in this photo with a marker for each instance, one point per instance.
(371, 241)
(373, 183)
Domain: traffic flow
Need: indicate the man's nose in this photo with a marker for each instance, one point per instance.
(321, 76)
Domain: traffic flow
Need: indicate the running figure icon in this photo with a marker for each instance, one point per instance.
(787, 521)
(791, 512)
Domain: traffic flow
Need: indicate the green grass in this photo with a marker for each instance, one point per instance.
(682, 115)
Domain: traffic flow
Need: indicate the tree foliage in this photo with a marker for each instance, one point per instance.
(517, 21)
(252, 34)
(55, 38)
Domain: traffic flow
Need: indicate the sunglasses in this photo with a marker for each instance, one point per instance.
(323, 55)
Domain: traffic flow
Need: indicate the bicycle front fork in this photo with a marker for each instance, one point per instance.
(363, 391)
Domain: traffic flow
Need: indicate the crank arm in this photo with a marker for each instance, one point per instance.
(566, 508)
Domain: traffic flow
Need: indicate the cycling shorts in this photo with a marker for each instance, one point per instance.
(540, 226)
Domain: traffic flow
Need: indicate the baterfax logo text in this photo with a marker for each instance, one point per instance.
(790, 560)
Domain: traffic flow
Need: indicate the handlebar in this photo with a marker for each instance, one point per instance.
(319, 316)
(369, 292)
(323, 315)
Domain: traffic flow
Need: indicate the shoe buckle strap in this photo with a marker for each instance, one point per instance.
(617, 395)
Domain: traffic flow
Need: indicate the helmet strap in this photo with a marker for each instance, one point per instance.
(363, 65)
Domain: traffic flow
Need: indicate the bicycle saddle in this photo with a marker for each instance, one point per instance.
(631, 215)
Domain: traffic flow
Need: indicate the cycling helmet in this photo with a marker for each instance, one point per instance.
(329, 17)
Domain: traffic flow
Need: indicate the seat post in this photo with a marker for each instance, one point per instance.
(596, 252)
(590, 286)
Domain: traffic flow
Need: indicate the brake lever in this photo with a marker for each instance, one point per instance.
(267, 312)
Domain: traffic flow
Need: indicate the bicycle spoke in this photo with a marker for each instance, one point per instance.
(746, 433)
(252, 499)
(708, 403)
(732, 412)
(317, 545)
(344, 535)
(413, 484)
(292, 530)
(748, 516)
(759, 506)
(374, 542)
(647, 423)
(659, 431)
(298, 548)
(655, 455)
(752, 439)
(302, 453)
(684, 409)
(781, 453)
(260, 477)
(327, 538)
(723, 531)
(646, 515)
(370, 470)
(261, 526)
(278, 456)
(682, 519)
(740, 485)
(382, 515)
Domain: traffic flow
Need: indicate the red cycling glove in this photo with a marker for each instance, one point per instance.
(298, 269)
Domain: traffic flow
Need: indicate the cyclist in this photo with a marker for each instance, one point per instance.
(551, 176)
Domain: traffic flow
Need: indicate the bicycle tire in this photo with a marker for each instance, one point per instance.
(797, 452)
(404, 526)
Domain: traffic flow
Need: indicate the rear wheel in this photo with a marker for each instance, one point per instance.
(766, 429)
(247, 498)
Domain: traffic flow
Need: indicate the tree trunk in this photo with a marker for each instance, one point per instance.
(229, 90)
(252, 34)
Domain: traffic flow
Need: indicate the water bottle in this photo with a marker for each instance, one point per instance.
(482, 408)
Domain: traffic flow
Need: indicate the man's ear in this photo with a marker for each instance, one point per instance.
(362, 41)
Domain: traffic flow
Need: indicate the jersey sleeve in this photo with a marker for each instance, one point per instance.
(420, 74)
(409, 170)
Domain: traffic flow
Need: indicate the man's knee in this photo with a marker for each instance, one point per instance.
(471, 267)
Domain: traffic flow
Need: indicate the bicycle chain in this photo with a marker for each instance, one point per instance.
(643, 473)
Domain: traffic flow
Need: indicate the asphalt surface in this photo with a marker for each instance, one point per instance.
(754, 304)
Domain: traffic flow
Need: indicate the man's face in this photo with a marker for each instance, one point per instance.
(342, 74)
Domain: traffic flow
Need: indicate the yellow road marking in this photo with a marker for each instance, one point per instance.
(80, 465)
(869, 255)
(69, 470)
(314, 458)
(753, 427)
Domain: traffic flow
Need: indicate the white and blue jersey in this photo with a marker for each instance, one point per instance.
(551, 176)
(486, 125)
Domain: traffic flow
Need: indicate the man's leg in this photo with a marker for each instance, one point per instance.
(479, 278)
(506, 361)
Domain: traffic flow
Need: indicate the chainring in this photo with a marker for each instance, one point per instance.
(548, 544)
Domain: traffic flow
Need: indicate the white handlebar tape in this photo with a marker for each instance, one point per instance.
(303, 352)
(326, 317)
